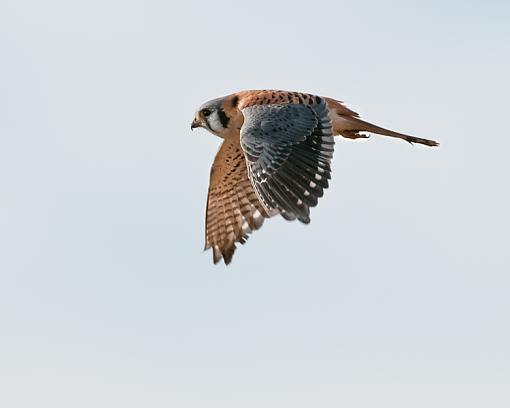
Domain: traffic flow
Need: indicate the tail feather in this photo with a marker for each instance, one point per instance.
(358, 125)
(348, 124)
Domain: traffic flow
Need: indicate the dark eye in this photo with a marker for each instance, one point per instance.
(206, 112)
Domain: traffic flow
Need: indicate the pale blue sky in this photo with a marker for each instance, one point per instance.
(397, 293)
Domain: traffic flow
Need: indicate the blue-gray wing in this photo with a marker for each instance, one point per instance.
(288, 149)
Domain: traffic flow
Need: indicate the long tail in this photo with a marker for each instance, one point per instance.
(348, 124)
(355, 125)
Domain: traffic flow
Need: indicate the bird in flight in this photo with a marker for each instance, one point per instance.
(275, 159)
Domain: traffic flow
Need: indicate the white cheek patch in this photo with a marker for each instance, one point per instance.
(214, 122)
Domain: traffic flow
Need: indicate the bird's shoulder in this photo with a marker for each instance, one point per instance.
(246, 99)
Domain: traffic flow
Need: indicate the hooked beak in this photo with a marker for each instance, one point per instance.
(195, 124)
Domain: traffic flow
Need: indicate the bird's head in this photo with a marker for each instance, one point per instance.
(219, 116)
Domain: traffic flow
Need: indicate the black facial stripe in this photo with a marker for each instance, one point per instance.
(235, 101)
(224, 119)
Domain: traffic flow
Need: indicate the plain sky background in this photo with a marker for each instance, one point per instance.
(397, 293)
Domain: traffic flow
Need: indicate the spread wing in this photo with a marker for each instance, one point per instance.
(233, 209)
(288, 149)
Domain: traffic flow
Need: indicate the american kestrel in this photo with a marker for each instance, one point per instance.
(275, 159)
